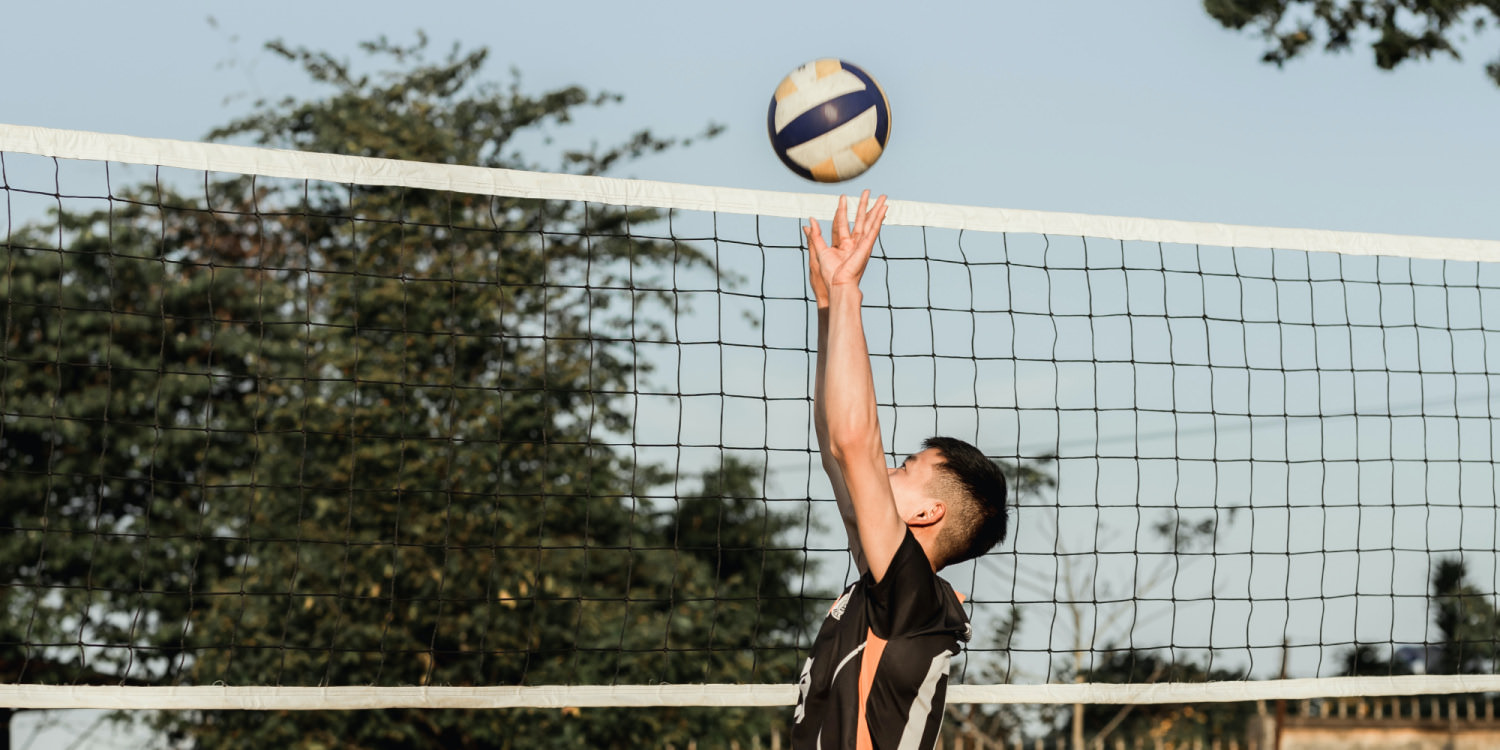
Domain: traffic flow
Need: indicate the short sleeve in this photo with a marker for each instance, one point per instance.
(910, 599)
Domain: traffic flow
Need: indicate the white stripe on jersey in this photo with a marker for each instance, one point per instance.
(921, 706)
(845, 660)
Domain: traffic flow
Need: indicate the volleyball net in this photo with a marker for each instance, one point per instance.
(285, 430)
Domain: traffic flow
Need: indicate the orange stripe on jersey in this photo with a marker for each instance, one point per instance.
(868, 662)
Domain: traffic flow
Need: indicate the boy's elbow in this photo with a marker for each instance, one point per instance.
(844, 444)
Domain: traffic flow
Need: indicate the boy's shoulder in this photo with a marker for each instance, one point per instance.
(912, 600)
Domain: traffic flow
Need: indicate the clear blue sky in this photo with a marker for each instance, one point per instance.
(1145, 108)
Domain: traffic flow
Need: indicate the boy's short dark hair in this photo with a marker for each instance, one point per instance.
(974, 488)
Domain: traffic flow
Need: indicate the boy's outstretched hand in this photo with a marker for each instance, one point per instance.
(844, 261)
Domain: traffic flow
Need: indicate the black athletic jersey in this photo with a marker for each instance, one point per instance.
(877, 676)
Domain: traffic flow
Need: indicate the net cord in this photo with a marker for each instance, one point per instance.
(335, 698)
(359, 170)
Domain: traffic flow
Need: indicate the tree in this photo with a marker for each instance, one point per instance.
(1176, 724)
(314, 437)
(1466, 621)
(1402, 30)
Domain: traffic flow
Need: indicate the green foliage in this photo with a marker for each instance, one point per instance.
(1363, 659)
(315, 436)
(126, 385)
(1173, 723)
(1466, 621)
(1400, 30)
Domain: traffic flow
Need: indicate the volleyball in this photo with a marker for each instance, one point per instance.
(829, 121)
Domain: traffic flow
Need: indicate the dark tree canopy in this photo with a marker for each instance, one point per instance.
(1396, 30)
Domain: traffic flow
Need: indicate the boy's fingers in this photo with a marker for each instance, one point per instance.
(870, 221)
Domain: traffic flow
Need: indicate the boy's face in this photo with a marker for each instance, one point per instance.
(909, 481)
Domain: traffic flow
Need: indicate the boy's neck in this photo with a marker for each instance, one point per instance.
(927, 537)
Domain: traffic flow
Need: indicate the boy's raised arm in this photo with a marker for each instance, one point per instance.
(847, 397)
(820, 419)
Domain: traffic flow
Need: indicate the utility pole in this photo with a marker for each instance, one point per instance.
(1281, 702)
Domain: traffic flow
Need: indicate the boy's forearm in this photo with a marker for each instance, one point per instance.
(825, 453)
(849, 386)
(854, 432)
(820, 411)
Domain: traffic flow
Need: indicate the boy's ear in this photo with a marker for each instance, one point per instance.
(930, 514)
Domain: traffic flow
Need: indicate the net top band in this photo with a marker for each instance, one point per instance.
(358, 170)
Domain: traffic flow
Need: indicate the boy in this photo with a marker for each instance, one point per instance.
(877, 674)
